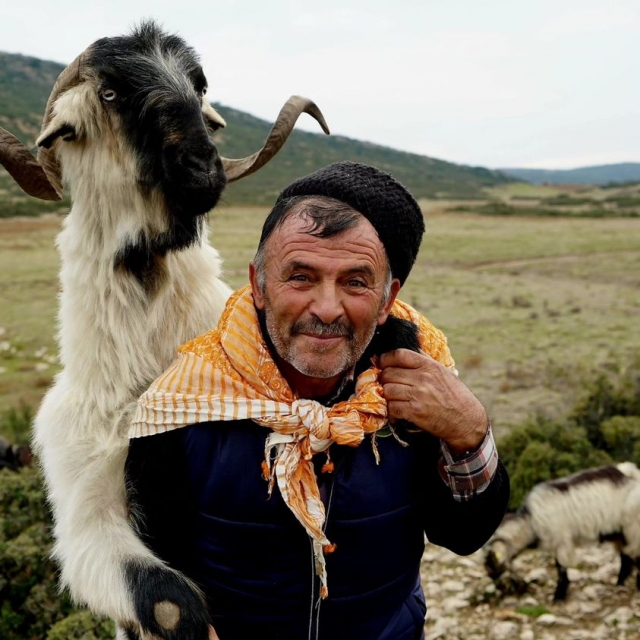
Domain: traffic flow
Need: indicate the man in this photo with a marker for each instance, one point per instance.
(328, 430)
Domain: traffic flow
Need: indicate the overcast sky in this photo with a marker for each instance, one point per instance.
(498, 83)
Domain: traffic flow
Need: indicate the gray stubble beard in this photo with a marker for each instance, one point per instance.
(313, 369)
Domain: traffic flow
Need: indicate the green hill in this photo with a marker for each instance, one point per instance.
(25, 84)
(304, 152)
(600, 174)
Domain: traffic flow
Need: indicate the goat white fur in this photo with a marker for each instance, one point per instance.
(114, 340)
(589, 506)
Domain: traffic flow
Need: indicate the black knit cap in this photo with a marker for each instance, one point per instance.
(382, 200)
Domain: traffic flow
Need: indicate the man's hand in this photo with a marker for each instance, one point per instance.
(430, 396)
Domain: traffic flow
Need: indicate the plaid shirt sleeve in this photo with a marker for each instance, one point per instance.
(473, 473)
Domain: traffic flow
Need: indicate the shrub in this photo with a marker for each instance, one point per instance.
(31, 604)
(622, 437)
(81, 625)
(602, 428)
(22, 502)
(606, 399)
(15, 424)
(496, 208)
(543, 449)
(533, 610)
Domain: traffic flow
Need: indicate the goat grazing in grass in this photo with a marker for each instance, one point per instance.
(128, 129)
(595, 505)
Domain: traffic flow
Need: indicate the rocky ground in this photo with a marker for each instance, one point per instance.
(465, 604)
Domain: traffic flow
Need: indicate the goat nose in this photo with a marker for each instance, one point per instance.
(197, 157)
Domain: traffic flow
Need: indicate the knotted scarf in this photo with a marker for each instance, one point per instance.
(229, 374)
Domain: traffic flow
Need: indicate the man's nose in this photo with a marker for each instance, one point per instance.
(326, 304)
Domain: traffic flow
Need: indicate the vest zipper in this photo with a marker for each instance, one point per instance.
(316, 623)
(313, 589)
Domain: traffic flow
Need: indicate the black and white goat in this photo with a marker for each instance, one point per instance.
(595, 505)
(128, 129)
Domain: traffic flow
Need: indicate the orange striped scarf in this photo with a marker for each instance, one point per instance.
(229, 374)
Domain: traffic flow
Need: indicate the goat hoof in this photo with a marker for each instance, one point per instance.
(167, 614)
(167, 605)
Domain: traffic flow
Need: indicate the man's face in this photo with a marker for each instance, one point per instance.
(322, 297)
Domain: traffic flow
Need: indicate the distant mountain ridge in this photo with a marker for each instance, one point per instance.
(597, 174)
(25, 84)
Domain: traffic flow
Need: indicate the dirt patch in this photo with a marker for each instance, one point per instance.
(17, 226)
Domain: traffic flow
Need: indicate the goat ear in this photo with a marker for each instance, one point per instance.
(215, 120)
(57, 129)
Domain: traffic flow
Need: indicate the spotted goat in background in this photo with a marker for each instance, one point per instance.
(594, 505)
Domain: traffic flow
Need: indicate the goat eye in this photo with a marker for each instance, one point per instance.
(204, 91)
(108, 95)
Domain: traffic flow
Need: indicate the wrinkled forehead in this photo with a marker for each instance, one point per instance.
(294, 237)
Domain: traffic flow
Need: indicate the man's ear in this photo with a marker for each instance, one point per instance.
(393, 294)
(258, 297)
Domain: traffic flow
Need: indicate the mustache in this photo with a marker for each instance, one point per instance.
(316, 327)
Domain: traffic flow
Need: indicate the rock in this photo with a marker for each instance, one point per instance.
(579, 609)
(441, 627)
(547, 619)
(431, 588)
(580, 634)
(619, 618)
(504, 630)
(590, 592)
(605, 574)
(452, 604)
(452, 585)
(538, 574)
(468, 563)
(464, 604)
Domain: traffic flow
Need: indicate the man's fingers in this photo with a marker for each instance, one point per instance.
(397, 375)
(403, 358)
(399, 409)
(406, 359)
(393, 391)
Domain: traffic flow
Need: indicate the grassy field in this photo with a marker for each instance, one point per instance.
(532, 306)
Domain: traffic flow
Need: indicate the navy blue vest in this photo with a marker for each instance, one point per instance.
(255, 561)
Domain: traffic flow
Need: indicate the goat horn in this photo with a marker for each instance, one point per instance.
(295, 105)
(25, 169)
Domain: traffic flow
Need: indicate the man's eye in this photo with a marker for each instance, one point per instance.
(299, 277)
(357, 283)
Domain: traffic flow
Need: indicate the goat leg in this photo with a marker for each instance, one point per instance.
(626, 565)
(563, 583)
